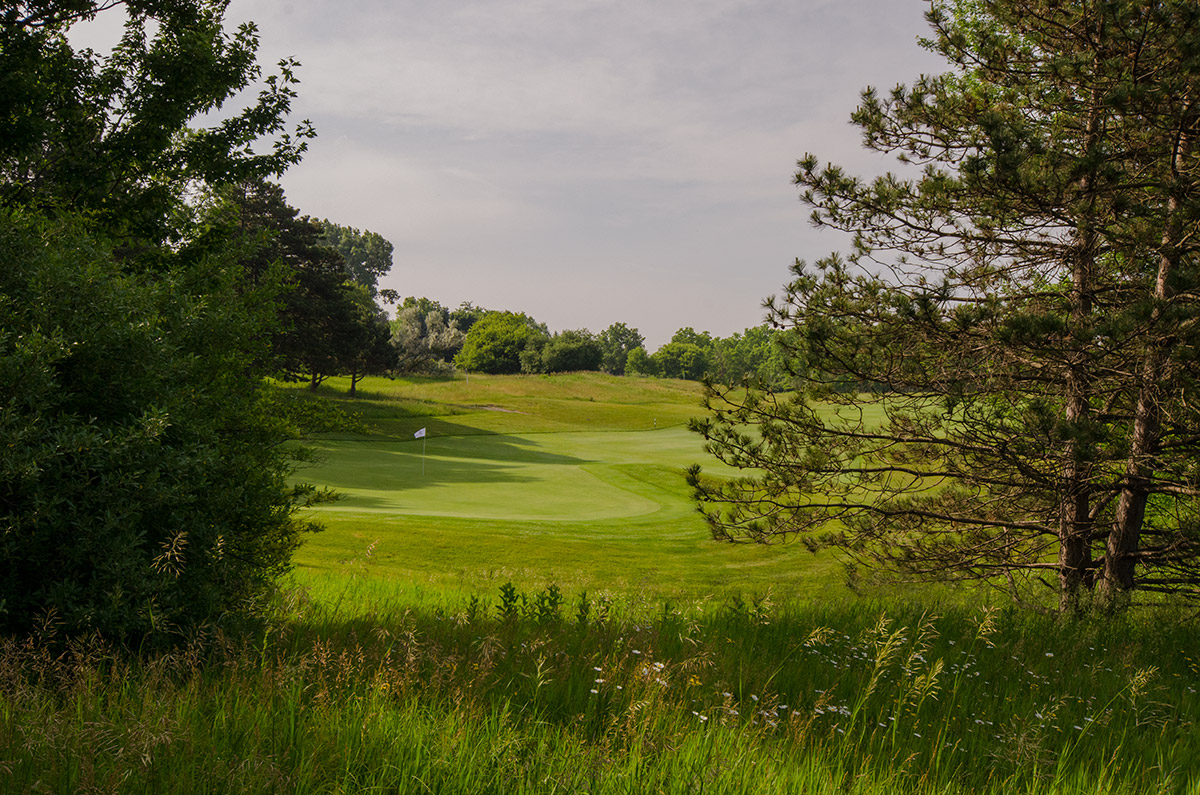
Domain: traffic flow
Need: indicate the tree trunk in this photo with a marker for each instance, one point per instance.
(1121, 549)
(1124, 539)
(1075, 525)
(1075, 522)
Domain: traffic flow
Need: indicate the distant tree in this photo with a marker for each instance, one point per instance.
(322, 324)
(616, 342)
(638, 362)
(424, 337)
(681, 360)
(571, 351)
(689, 336)
(495, 342)
(754, 354)
(369, 350)
(466, 315)
(366, 254)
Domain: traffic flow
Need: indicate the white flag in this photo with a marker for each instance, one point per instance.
(419, 434)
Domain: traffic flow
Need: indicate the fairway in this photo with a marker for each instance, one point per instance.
(560, 476)
(576, 480)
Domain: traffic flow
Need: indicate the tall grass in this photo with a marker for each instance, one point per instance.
(541, 691)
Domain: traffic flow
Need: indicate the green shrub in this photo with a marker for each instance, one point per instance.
(142, 470)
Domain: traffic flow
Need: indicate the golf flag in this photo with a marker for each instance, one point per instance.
(419, 434)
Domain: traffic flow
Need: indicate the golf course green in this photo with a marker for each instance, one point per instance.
(575, 480)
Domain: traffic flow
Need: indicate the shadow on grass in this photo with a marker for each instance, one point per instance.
(376, 465)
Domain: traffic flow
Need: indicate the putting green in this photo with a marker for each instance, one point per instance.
(571, 476)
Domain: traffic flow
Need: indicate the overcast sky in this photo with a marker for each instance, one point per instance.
(585, 161)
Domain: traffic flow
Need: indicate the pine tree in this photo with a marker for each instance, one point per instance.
(999, 381)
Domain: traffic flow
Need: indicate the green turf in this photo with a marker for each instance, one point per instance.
(576, 480)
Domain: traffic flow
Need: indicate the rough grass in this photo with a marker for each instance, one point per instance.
(544, 691)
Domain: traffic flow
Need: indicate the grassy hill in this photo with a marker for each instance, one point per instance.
(572, 479)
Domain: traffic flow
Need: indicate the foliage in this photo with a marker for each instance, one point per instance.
(367, 255)
(369, 348)
(1019, 312)
(142, 481)
(110, 135)
(565, 352)
(616, 342)
(466, 315)
(638, 362)
(755, 354)
(328, 326)
(684, 360)
(143, 469)
(425, 337)
(496, 341)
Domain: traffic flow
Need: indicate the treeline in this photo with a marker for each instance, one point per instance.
(333, 321)
(431, 338)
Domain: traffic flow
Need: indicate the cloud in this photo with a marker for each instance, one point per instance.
(523, 152)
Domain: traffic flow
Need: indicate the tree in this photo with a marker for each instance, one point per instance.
(111, 135)
(369, 348)
(367, 255)
(143, 470)
(1018, 316)
(466, 316)
(753, 354)
(495, 342)
(681, 360)
(424, 337)
(616, 342)
(324, 326)
(638, 362)
(571, 352)
(689, 336)
(142, 474)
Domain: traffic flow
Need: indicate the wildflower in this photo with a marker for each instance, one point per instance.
(596, 668)
(1049, 654)
(594, 690)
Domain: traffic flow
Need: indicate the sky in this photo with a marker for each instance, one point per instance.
(585, 161)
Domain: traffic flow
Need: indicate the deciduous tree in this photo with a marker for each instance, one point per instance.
(143, 470)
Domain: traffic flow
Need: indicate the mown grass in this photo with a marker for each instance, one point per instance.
(573, 479)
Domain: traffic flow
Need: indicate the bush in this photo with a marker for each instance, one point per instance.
(495, 343)
(142, 473)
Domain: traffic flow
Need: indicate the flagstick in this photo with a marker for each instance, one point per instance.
(422, 456)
